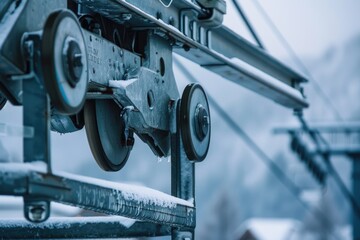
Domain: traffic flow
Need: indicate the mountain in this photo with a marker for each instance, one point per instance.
(232, 173)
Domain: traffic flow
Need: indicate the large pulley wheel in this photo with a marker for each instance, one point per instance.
(105, 134)
(64, 62)
(195, 122)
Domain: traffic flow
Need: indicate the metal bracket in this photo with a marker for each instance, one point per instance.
(39, 185)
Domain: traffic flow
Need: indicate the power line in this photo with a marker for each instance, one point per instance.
(316, 138)
(248, 24)
(297, 60)
(274, 168)
(313, 136)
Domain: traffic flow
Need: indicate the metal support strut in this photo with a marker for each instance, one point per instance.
(356, 193)
(182, 178)
(154, 213)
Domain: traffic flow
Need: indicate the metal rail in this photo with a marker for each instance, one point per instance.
(123, 200)
(36, 182)
(75, 227)
(216, 49)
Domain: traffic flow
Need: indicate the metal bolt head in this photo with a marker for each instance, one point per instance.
(37, 211)
(126, 16)
(72, 61)
(202, 122)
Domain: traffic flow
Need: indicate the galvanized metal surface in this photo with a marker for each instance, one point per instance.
(182, 176)
(356, 193)
(107, 61)
(145, 15)
(20, 18)
(80, 228)
(342, 138)
(21, 181)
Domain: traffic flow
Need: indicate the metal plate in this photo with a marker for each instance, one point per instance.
(104, 130)
(219, 47)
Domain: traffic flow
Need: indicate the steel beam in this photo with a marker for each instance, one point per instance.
(89, 193)
(330, 127)
(356, 193)
(80, 228)
(215, 49)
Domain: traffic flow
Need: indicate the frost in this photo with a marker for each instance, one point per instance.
(265, 78)
(66, 222)
(16, 131)
(136, 193)
(24, 168)
(166, 159)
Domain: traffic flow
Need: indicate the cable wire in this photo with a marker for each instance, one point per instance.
(274, 168)
(248, 24)
(297, 60)
(314, 136)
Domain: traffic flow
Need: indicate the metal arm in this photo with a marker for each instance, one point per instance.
(212, 48)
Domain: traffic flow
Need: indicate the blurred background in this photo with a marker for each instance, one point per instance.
(237, 193)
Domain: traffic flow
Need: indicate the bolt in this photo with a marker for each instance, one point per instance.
(97, 29)
(37, 211)
(72, 61)
(29, 49)
(158, 15)
(171, 21)
(202, 122)
(126, 16)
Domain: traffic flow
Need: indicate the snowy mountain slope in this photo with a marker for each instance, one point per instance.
(231, 166)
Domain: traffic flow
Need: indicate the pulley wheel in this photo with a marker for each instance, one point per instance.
(105, 134)
(64, 62)
(195, 122)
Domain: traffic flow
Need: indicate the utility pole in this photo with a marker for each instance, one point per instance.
(338, 139)
(356, 192)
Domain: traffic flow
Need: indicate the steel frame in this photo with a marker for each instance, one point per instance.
(194, 34)
(344, 131)
(39, 187)
(213, 48)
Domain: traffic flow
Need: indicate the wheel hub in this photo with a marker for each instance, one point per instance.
(72, 61)
(202, 122)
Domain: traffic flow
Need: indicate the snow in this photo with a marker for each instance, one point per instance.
(266, 78)
(136, 193)
(24, 168)
(269, 229)
(16, 131)
(12, 207)
(66, 222)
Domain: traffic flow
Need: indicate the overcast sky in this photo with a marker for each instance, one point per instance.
(310, 26)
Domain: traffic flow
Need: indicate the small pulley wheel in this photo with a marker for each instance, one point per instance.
(105, 134)
(64, 62)
(195, 122)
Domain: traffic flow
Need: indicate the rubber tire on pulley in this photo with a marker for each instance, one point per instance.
(104, 131)
(62, 27)
(196, 148)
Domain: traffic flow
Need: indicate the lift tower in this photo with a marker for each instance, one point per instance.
(107, 65)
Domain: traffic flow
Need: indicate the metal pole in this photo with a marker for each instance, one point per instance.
(36, 114)
(182, 178)
(356, 194)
